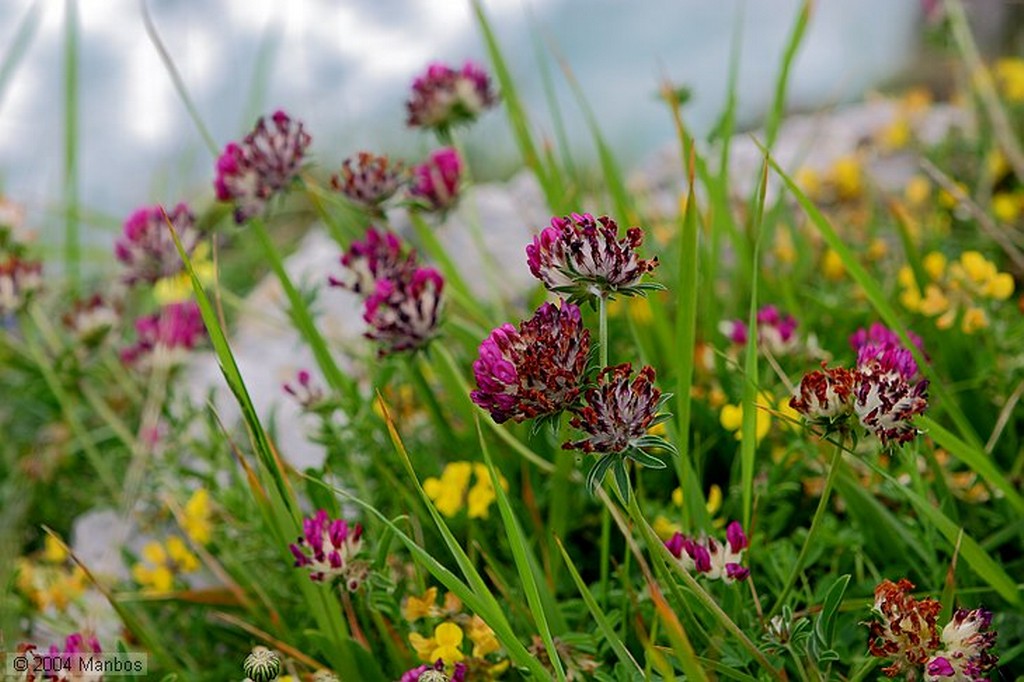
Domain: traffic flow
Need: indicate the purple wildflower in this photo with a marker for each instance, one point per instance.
(368, 180)
(91, 320)
(20, 277)
(878, 341)
(618, 412)
(250, 172)
(435, 673)
(435, 185)
(776, 332)
(713, 559)
(79, 649)
(308, 395)
(583, 257)
(164, 339)
(535, 371)
(377, 257)
(885, 401)
(443, 97)
(403, 313)
(328, 547)
(966, 641)
(146, 247)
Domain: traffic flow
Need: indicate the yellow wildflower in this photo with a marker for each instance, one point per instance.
(832, 265)
(999, 287)
(783, 247)
(447, 492)
(196, 519)
(950, 201)
(934, 264)
(161, 562)
(415, 608)
(1009, 75)
(846, 175)
(809, 181)
(482, 494)
(664, 528)
(996, 164)
(178, 288)
(731, 418)
(979, 269)
(917, 190)
(483, 638)
(444, 644)
(877, 249)
(54, 550)
(897, 134)
(934, 302)
(974, 319)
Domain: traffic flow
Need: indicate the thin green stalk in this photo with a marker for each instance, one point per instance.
(819, 514)
(304, 323)
(179, 83)
(72, 238)
(606, 521)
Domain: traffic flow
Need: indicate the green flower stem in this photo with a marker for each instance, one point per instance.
(819, 514)
(303, 319)
(606, 519)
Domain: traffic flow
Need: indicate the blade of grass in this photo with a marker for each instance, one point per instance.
(303, 320)
(606, 628)
(72, 238)
(778, 108)
(975, 458)
(517, 115)
(518, 543)
(23, 36)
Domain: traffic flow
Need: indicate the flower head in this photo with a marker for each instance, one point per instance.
(966, 641)
(435, 673)
(907, 631)
(775, 332)
(146, 248)
(80, 646)
(825, 396)
(443, 97)
(618, 411)
(536, 370)
(368, 180)
(879, 341)
(885, 401)
(378, 257)
(435, 185)
(328, 547)
(444, 645)
(91, 320)
(250, 172)
(164, 339)
(403, 313)
(583, 257)
(20, 277)
(711, 558)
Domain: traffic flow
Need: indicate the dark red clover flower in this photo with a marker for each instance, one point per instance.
(535, 371)
(368, 180)
(146, 248)
(250, 172)
(583, 257)
(403, 313)
(444, 97)
(906, 632)
(435, 183)
(616, 415)
(885, 400)
(825, 396)
(20, 277)
(965, 655)
(379, 256)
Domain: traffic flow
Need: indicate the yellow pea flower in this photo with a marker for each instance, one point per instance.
(1006, 207)
(1000, 287)
(974, 319)
(832, 266)
(196, 518)
(731, 418)
(447, 640)
(809, 181)
(877, 249)
(934, 302)
(448, 491)
(664, 528)
(1009, 75)
(180, 555)
(154, 553)
(979, 269)
(917, 191)
(415, 607)
(483, 638)
(847, 177)
(54, 551)
(934, 264)
(178, 288)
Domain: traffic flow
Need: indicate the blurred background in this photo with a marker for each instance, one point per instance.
(344, 66)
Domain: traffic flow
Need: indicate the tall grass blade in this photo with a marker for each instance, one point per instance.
(72, 237)
(23, 36)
